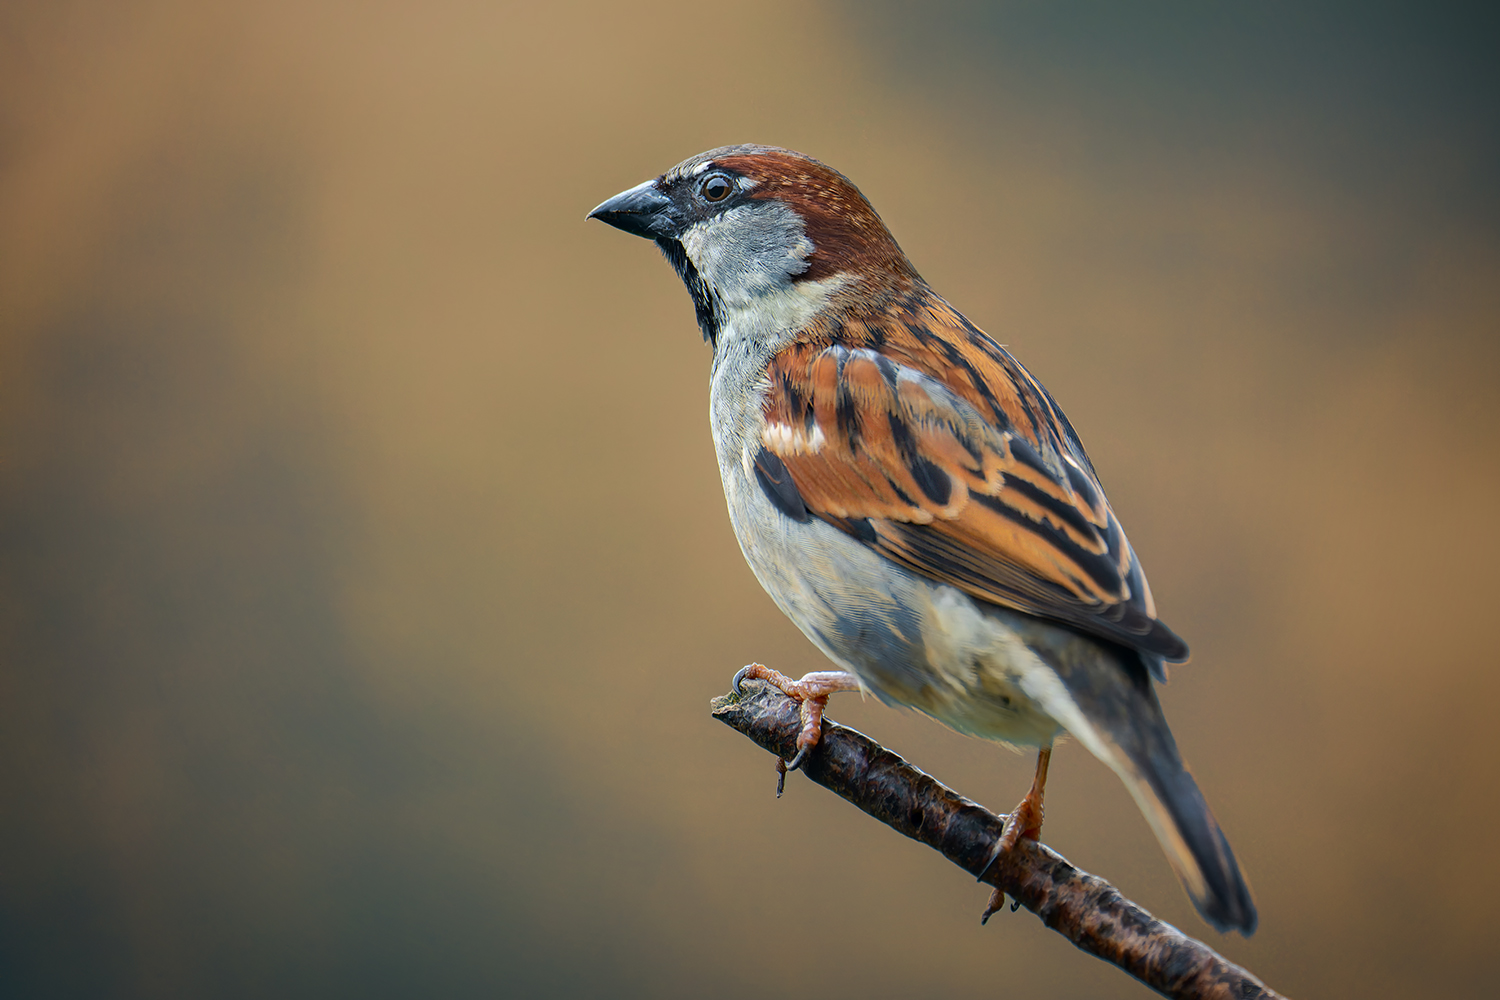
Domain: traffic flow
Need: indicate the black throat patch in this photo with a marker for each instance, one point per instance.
(705, 304)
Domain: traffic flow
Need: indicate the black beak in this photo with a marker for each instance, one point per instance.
(642, 211)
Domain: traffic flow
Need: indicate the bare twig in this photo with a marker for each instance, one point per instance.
(1083, 908)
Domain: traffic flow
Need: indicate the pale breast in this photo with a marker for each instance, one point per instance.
(909, 640)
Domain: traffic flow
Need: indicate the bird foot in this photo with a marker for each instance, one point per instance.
(811, 694)
(1024, 821)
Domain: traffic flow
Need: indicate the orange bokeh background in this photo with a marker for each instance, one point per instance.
(364, 572)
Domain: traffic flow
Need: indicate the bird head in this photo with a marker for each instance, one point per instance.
(762, 230)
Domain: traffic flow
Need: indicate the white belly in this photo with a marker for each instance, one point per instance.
(909, 640)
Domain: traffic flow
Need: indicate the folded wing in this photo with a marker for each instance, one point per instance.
(946, 456)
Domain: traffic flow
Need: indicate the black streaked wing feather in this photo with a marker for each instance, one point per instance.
(932, 483)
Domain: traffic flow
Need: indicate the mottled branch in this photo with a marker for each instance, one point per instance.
(1083, 908)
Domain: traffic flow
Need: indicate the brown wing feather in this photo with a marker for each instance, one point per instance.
(921, 437)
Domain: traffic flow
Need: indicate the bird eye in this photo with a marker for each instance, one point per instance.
(716, 188)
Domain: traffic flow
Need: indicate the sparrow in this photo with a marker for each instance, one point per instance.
(915, 501)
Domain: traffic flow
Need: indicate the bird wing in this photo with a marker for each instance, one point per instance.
(922, 438)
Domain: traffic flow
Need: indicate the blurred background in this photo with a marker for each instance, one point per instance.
(364, 570)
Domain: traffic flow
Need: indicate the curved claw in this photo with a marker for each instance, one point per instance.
(995, 853)
(739, 677)
(798, 760)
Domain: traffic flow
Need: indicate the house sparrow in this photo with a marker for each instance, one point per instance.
(914, 500)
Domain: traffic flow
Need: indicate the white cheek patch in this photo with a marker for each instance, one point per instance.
(784, 439)
(748, 250)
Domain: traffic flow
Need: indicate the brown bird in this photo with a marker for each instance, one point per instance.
(915, 500)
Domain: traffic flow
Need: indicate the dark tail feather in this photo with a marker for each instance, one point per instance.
(1171, 802)
(1112, 709)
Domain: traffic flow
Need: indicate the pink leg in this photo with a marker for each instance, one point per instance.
(811, 693)
(1025, 820)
